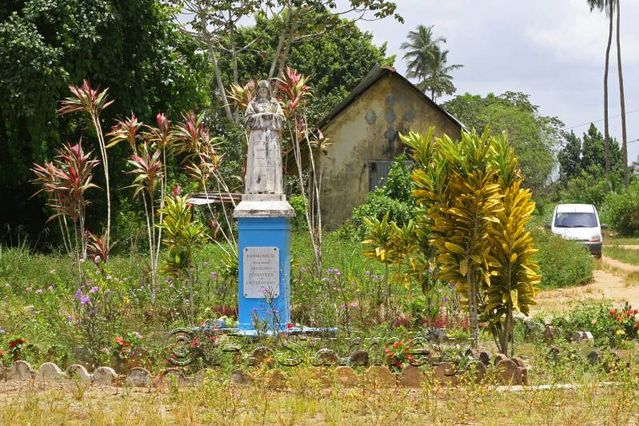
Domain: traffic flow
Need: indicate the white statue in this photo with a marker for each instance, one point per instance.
(264, 122)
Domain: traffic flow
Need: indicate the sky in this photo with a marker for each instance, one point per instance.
(551, 49)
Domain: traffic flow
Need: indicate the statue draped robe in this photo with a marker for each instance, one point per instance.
(264, 122)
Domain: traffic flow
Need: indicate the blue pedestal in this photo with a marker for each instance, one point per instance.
(264, 272)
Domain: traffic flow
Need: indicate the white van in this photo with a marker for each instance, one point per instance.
(578, 222)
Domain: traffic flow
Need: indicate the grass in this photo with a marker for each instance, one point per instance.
(621, 254)
(308, 402)
(632, 279)
(621, 241)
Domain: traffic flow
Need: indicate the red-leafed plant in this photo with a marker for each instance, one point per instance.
(202, 162)
(92, 101)
(241, 95)
(293, 91)
(97, 249)
(65, 182)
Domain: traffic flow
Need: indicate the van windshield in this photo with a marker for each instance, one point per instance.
(575, 220)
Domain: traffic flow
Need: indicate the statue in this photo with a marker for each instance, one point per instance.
(264, 122)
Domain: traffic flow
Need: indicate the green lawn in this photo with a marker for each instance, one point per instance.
(621, 241)
(624, 255)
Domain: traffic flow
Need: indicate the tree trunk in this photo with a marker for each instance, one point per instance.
(278, 51)
(606, 113)
(216, 68)
(294, 22)
(472, 309)
(622, 100)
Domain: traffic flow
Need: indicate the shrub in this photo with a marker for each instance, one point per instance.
(586, 189)
(563, 263)
(379, 205)
(399, 185)
(621, 210)
(609, 326)
(393, 199)
(299, 206)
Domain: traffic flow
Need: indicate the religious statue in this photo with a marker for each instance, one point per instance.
(264, 122)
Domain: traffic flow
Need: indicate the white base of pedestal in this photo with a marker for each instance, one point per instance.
(267, 205)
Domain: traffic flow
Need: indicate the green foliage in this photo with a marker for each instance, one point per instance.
(181, 235)
(394, 199)
(563, 263)
(533, 136)
(427, 62)
(335, 60)
(585, 162)
(398, 184)
(585, 189)
(130, 46)
(472, 193)
(379, 205)
(299, 207)
(610, 327)
(621, 210)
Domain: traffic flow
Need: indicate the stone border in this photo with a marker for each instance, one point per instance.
(510, 372)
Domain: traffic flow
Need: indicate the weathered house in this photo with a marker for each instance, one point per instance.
(364, 135)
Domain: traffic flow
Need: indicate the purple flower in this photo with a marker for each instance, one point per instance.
(334, 271)
(70, 318)
(85, 300)
(213, 276)
(94, 289)
(78, 295)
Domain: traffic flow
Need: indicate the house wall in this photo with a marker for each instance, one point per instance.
(367, 130)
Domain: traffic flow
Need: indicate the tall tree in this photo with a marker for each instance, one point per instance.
(427, 62)
(622, 98)
(130, 46)
(335, 61)
(420, 50)
(570, 158)
(215, 24)
(532, 135)
(608, 7)
(439, 80)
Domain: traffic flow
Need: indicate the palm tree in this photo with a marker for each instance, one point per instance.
(608, 7)
(439, 80)
(622, 97)
(426, 61)
(420, 50)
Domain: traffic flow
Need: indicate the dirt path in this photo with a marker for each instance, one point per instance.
(629, 247)
(625, 267)
(610, 283)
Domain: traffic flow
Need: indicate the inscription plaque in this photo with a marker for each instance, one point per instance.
(261, 272)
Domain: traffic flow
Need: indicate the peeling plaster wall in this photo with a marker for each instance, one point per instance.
(367, 130)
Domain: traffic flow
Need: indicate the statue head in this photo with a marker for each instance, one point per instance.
(263, 91)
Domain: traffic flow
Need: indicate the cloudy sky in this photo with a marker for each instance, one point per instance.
(550, 49)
